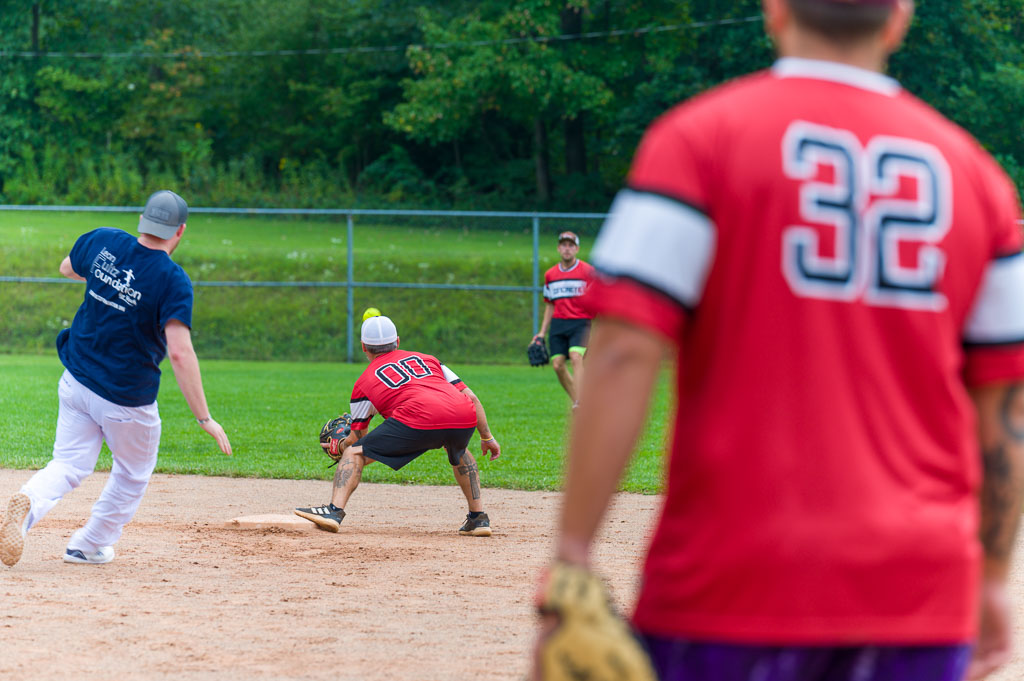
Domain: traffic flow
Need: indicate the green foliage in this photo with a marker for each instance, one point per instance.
(966, 59)
(461, 103)
(81, 177)
(395, 177)
(519, 81)
(273, 412)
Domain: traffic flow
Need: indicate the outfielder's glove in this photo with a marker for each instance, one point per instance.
(537, 352)
(590, 640)
(333, 433)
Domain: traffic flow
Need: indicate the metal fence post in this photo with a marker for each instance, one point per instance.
(349, 279)
(536, 270)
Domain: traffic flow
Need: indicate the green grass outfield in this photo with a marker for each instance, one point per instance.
(273, 411)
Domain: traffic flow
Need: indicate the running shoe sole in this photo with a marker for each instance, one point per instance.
(12, 540)
(476, 532)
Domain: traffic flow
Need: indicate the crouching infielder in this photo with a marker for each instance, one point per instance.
(425, 406)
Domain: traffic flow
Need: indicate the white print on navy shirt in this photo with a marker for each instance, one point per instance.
(565, 288)
(103, 268)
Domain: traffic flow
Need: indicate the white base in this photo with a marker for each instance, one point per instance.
(267, 521)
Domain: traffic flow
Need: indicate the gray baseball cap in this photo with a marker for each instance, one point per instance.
(163, 214)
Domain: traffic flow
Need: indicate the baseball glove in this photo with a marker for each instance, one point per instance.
(537, 352)
(333, 433)
(590, 640)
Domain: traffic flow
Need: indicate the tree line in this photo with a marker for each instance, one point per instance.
(536, 104)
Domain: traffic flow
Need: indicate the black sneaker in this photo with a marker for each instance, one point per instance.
(327, 516)
(479, 526)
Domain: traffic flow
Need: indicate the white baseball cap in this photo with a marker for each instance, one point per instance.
(379, 331)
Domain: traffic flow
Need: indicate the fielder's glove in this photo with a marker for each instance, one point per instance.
(333, 433)
(537, 352)
(590, 640)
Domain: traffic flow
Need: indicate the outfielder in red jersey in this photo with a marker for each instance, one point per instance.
(840, 269)
(565, 284)
(425, 406)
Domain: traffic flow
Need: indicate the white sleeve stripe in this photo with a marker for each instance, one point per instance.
(659, 242)
(998, 313)
(449, 375)
(362, 409)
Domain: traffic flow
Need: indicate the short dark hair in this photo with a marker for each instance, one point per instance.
(840, 22)
(381, 349)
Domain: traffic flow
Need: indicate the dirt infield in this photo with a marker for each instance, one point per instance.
(396, 595)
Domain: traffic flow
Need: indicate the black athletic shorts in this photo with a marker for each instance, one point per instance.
(395, 444)
(566, 334)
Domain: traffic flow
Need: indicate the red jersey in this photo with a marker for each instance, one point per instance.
(837, 263)
(414, 388)
(565, 289)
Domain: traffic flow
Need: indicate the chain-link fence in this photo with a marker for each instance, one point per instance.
(452, 287)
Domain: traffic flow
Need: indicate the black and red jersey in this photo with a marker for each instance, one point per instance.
(414, 388)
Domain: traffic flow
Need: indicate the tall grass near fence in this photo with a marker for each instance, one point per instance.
(299, 323)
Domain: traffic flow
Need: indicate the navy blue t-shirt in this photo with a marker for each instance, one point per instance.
(116, 341)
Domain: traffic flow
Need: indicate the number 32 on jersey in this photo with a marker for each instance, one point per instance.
(889, 204)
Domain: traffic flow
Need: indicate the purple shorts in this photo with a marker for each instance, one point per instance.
(683, 660)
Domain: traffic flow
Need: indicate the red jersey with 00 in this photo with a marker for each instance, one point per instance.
(414, 388)
(565, 289)
(837, 263)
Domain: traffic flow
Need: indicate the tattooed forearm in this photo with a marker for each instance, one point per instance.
(474, 478)
(1011, 413)
(999, 499)
(1002, 483)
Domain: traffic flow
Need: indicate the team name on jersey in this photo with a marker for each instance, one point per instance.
(104, 269)
(565, 288)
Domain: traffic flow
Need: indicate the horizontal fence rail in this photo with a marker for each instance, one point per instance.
(304, 284)
(350, 283)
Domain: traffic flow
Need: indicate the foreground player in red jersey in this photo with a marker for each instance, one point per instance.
(425, 406)
(840, 271)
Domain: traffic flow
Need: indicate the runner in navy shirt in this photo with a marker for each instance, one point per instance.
(137, 309)
(116, 342)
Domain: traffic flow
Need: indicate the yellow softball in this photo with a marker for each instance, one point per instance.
(371, 312)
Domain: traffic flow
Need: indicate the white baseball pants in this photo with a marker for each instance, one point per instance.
(84, 421)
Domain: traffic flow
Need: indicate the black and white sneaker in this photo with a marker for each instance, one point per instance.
(479, 526)
(100, 556)
(327, 516)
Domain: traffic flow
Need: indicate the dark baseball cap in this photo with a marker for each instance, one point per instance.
(163, 214)
(569, 236)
